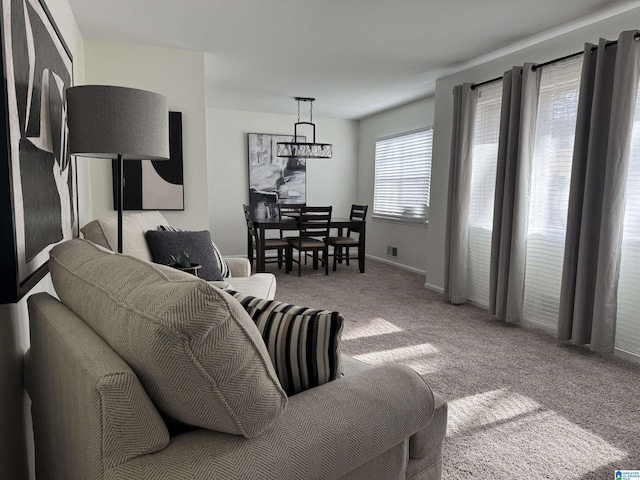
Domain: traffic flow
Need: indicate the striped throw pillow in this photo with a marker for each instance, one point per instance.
(303, 343)
(222, 263)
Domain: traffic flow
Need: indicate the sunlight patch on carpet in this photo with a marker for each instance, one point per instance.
(486, 408)
(370, 328)
(538, 445)
(397, 355)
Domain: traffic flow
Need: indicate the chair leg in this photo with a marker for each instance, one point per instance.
(347, 250)
(280, 253)
(300, 261)
(288, 258)
(326, 259)
(335, 257)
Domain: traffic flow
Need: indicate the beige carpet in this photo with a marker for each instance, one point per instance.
(521, 406)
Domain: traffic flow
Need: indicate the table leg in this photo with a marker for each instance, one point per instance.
(361, 247)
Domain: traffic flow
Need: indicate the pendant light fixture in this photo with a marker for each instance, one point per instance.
(297, 149)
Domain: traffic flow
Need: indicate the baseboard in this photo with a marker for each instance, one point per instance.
(631, 357)
(396, 264)
(435, 288)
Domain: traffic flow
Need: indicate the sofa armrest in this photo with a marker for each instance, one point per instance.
(221, 284)
(84, 394)
(325, 432)
(239, 267)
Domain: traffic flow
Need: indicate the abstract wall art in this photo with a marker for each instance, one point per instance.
(38, 189)
(154, 185)
(274, 180)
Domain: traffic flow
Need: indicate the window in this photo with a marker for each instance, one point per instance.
(628, 318)
(403, 176)
(550, 180)
(483, 185)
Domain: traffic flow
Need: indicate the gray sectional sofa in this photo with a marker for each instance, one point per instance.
(139, 371)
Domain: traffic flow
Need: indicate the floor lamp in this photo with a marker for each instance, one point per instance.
(117, 123)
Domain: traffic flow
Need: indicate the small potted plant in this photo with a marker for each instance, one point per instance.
(183, 262)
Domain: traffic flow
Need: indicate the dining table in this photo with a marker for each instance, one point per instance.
(290, 222)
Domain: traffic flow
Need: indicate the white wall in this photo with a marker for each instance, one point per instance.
(177, 74)
(542, 52)
(329, 181)
(16, 446)
(409, 239)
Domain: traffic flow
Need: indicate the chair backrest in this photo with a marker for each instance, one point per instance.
(358, 212)
(286, 208)
(248, 216)
(315, 221)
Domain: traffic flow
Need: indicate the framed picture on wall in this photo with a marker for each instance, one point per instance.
(150, 184)
(38, 181)
(274, 180)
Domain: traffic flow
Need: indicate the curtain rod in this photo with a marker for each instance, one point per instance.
(636, 37)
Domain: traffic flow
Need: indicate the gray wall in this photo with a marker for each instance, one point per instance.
(178, 75)
(410, 239)
(329, 181)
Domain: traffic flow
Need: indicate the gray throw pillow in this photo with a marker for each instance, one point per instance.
(197, 244)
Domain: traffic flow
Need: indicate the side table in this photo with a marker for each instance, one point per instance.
(193, 269)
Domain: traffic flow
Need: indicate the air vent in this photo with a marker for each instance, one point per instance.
(392, 252)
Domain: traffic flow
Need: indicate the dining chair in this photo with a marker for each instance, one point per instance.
(279, 244)
(358, 212)
(313, 231)
(289, 208)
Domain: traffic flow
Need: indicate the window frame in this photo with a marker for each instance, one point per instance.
(414, 220)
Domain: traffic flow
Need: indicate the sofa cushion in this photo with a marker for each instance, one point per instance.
(196, 351)
(165, 245)
(222, 264)
(303, 343)
(261, 285)
(104, 232)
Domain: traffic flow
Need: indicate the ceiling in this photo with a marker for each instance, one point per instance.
(356, 57)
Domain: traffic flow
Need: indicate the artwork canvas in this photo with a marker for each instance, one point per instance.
(151, 184)
(39, 205)
(274, 180)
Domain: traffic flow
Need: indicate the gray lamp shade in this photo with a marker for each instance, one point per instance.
(105, 121)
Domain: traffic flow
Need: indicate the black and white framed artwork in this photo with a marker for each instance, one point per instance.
(151, 184)
(274, 180)
(38, 185)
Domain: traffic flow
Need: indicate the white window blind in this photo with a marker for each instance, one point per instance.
(483, 186)
(403, 176)
(628, 317)
(551, 177)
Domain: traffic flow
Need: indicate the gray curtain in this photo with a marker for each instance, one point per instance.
(465, 101)
(588, 297)
(520, 91)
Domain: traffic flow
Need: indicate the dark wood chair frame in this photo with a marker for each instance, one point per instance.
(358, 212)
(279, 244)
(284, 209)
(313, 228)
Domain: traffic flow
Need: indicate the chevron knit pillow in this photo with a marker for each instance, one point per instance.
(222, 264)
(303, 344)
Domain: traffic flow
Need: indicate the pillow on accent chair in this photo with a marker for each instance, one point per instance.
(222, 263)
(164, 245)
(303, 343)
